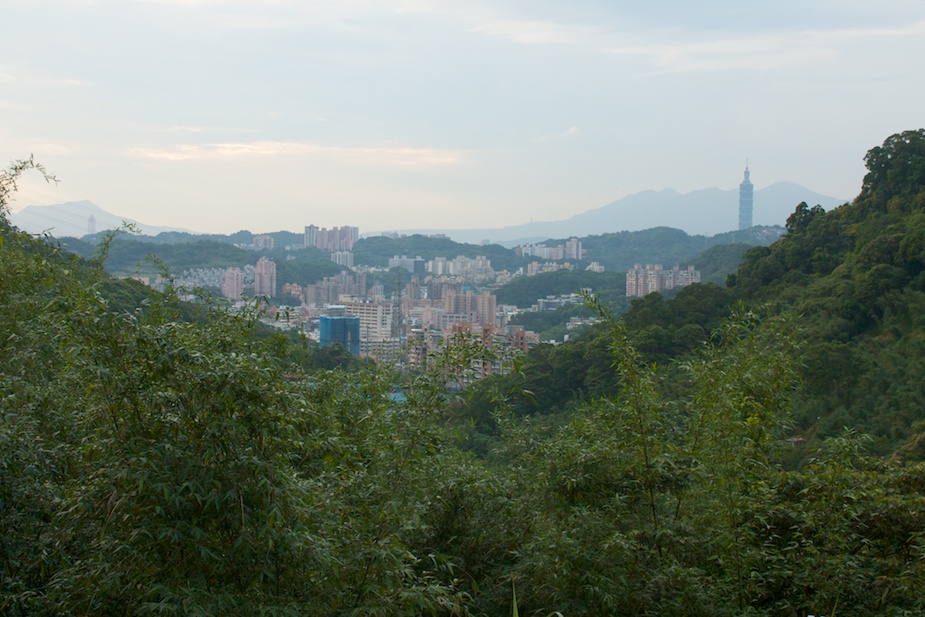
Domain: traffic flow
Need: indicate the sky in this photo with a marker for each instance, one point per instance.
(221, 115)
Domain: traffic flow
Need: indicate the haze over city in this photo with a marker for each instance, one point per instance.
(218, 115)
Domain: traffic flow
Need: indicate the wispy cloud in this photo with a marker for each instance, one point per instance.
(37, 78)
(569, 133)
(764, 52)
(185, 128)
(756, 53)
(51, 148)
(374, 156)
(534, 32)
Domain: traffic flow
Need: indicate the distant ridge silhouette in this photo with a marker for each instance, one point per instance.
(70, 220)
(706, 212)
(703, 212)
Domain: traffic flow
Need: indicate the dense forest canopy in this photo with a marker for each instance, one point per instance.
(157, 461)
(665, 245)
(376, 251)
(524, 291)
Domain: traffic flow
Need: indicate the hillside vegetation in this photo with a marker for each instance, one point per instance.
(852, 276)
(150, 464)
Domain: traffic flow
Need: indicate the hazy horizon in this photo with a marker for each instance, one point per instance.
(707, 212)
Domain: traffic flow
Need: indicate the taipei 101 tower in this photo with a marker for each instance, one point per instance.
(746, 201)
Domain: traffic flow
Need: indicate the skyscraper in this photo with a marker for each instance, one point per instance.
(746, 201)
(311, 236)
(331, 240)
(234, 284)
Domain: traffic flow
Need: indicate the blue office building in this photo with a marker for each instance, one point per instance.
(336, 327)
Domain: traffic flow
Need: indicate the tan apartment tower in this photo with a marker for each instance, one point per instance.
(265, 278)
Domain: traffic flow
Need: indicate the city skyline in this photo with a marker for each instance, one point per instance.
(211, 114)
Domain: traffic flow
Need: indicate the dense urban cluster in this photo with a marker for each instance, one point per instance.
(438, 299)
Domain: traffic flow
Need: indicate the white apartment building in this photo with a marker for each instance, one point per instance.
(642, 281)
(375, 319)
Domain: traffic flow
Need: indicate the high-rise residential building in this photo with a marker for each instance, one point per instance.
(265, 278)
(337, 327)
(331, 288)
(642, 281)
(476, 308)
(331, 240)
(311, 236)
(573, 249)
(264, 243)
(342, 258)
(91, 225)
(338, 238)
(415, 265)
(375, 319)
(234, 284)
(746, 201)
(485, 308)
(460, 266)
(555, 253)
(438, 266)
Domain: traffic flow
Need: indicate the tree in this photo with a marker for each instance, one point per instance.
(896, 174)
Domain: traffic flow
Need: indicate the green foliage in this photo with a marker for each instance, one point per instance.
(618, 252)
(524, 291)
(150, 464)
(553, 379)
(896, 174)
(718, 262)
(542, 321)
(855, 275)
(376, 251)
(128, 252)
(130, 255)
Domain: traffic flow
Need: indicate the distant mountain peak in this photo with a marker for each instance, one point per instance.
(71, 219)
(707, 212)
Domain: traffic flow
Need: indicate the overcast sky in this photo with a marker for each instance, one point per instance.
(218, 115)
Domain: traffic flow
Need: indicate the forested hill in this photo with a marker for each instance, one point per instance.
(134, 255)
(665, 245)
(851, 277)
(376, 250)
(152, 464)
(617, 251)
(856, 277)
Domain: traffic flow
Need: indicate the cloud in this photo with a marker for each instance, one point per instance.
(375, 156)
(763, 52)
(184, 128)
(534, 32)
(51, 148)
(569, 133)
(30, 77)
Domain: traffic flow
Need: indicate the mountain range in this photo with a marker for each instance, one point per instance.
(704, 212)
(71, 219)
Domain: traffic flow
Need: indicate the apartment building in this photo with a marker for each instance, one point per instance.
(642, 281)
